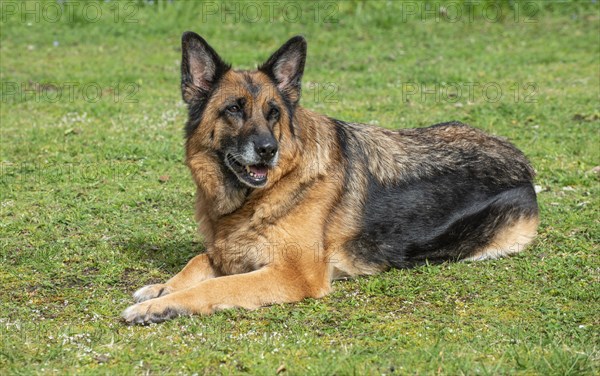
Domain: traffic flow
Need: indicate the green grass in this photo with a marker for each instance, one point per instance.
(85, 219)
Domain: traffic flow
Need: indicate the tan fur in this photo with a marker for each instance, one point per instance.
(271, 248)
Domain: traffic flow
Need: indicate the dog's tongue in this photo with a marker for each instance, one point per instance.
(259, 171)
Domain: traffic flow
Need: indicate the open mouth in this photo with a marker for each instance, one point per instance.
(253, 175)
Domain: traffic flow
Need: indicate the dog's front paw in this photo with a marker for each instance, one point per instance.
(151, 292)
(152, 311)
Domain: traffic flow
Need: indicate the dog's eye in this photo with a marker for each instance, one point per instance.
(234, 109)
(274, 113)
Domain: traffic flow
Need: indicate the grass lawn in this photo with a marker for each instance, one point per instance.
(96, 201)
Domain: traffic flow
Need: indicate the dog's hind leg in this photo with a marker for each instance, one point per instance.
(515, 227)
(197, 270)
(513, 238)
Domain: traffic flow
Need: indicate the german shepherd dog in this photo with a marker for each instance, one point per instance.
(288, 200)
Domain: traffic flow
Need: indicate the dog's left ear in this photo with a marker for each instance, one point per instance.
(286, 67)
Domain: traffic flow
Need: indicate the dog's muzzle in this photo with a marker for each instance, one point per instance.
(251, 165)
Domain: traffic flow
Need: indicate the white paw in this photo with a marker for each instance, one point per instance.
(152, 311)
(151, 292)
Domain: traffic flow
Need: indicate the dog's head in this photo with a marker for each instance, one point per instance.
(243, 117)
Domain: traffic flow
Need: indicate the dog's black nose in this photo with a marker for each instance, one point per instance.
(266, 148)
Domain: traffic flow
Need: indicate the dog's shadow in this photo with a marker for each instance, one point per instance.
(169, 256)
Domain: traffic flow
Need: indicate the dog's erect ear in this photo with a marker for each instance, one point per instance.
(201, 67)
(286, 67)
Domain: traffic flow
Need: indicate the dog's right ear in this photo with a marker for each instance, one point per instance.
(201, 67)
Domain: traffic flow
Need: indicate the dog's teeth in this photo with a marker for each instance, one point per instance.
(248, 169)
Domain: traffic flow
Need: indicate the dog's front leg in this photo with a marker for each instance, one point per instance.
(250, 290)
(197, 270)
